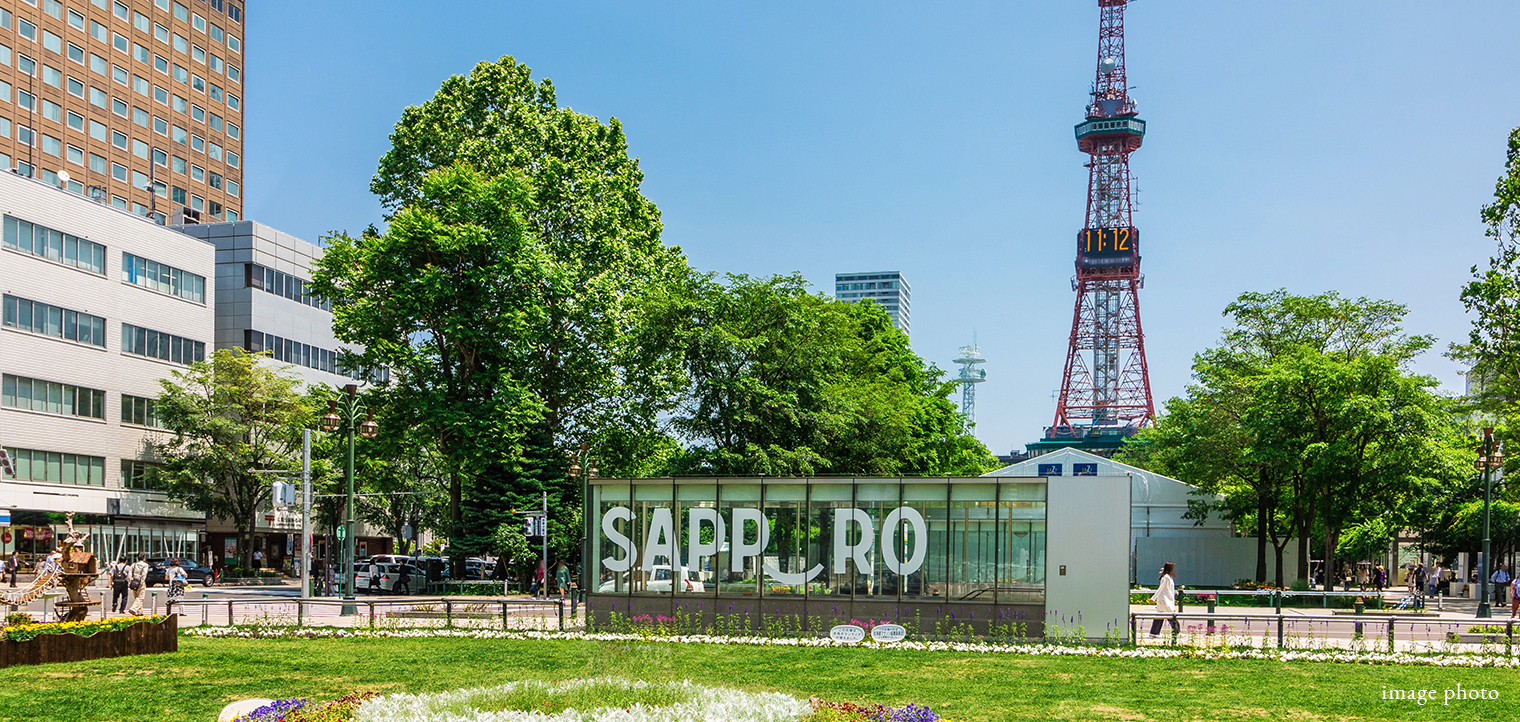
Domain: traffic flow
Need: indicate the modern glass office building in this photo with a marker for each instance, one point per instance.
(916, 551)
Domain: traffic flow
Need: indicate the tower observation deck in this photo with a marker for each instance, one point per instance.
(1106, 389)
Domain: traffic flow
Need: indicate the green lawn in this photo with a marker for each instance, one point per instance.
(194, 683)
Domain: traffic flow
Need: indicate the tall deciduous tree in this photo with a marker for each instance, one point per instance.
(785, 382)
(229, 415)
(1307, 411)
(504, 287)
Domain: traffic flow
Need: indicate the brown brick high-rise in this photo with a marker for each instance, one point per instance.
(124, 94)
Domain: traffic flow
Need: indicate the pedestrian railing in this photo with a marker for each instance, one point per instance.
(411, 612)
(1371, 632)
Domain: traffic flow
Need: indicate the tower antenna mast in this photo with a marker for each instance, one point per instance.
(1106, 387)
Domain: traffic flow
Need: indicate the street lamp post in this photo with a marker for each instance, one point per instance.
(1491, 458)
(343, 415)
(587, 573)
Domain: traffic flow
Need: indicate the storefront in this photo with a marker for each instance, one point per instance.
(32, 535)
(815, 552)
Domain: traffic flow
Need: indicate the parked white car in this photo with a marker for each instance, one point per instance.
(390, 579)
(659, 581)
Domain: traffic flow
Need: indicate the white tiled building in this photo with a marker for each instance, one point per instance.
(99, 306)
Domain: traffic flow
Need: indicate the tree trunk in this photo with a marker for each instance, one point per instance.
(1301, 529)
(456, 519)
(1261, 537)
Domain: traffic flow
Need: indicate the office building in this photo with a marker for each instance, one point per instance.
(887, 288)
(125, 95)
(99, 307)
(263, 305)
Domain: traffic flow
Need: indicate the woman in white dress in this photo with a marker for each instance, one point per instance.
(1166, 598)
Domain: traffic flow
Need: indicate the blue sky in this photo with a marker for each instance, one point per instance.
(1302, 145)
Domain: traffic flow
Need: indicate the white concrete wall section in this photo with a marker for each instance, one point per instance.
(1087, 555)
(1206, 561)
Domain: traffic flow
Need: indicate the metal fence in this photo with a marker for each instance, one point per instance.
(1371, 632)
(413, 612)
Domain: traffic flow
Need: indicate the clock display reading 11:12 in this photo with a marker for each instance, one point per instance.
(1100, 242)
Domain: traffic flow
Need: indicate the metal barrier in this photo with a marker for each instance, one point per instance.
(1298, 631)
(410, 612)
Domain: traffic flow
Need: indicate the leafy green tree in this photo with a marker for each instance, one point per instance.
(784, 382)
(503, 292)
(1307, 411)
(1493, 298)
(229, 415)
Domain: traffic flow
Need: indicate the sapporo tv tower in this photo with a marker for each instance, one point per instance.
(1106, 388)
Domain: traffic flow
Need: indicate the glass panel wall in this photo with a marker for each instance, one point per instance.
(923, 540)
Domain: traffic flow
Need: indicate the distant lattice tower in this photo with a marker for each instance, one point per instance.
(1106, 384)
(970, 377)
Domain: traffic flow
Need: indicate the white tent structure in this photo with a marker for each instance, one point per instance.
(1206, 553)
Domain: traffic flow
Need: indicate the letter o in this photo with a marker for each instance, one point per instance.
(889, 528)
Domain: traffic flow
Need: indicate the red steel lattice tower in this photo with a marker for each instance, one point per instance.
(1106, 385)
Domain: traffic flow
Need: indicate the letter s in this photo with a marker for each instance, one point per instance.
(618, 539)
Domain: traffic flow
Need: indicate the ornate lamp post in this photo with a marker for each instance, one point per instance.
(343, 415)
(587, 573)
(1486, 463)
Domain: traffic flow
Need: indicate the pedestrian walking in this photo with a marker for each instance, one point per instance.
(538, 580)
(119, 585)
(374, 577)
(1501, 579)
(1166, 599)
(1379, 579)
(1514, 597)
(12, 565)
(174, 576)
(137, 582)
(1434, 584)
(258, 559)
(562, 579)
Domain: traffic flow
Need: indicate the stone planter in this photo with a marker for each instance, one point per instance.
(141, 638)
(250, 582)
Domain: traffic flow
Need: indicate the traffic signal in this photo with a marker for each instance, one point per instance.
(284, 494)
(5, 463)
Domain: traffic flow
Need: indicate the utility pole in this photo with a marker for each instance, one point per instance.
(545, 529)
(305, 513)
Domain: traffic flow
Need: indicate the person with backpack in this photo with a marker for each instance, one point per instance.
(119, 586)
(137, 583)
(176, 578)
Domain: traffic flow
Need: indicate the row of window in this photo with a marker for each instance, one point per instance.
(294, 352)
(865, 286)
(55, 245)
(102, 100)
(34, 465)
(55, 398)
(160, 345)
(19, 392)
(291, 351)
(48, 320)
(163, 278)
(139, 21)
(282, 284)
(101, 66)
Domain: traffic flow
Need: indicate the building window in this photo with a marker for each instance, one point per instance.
(138, 411)
(163, 278)
(119, 139)
(41, 318)
(20, 392)
(140, 475)
(119, 42)
(162, 346)
(198, 54)
(97, 163)
(177, 194)
(197, 22)
(160, 33)
(54, 245)
(181, 45)
(119, 107)
(119, 172)
(52, 42)
(33, 465)
(181, 13)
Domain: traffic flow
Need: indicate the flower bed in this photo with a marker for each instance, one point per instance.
(78, 641)
(1341, 656)
(304, 710)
